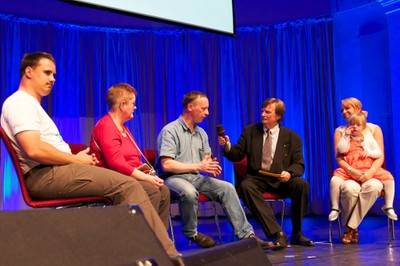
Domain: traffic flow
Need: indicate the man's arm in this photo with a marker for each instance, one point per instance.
(237, 152)
(207, 165)
(45, 153)
(296, 167)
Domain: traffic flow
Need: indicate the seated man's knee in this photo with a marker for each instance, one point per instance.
(302, 184)
(227, 186)
(189, 195)
(246, 184)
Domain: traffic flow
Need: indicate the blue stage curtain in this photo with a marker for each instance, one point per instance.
(292, 61)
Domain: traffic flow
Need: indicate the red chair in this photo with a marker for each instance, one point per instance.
(151, 158)
(240, 169)
(52, 203)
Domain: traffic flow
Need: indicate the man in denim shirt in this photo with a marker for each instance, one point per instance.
(183, 154)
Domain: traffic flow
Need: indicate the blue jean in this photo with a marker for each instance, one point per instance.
(188, 187)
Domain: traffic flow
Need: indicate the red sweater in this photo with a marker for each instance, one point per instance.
(113, 150)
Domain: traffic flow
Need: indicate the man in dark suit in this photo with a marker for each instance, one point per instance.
(277, 150)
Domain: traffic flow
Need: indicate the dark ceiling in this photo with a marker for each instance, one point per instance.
(247, 12)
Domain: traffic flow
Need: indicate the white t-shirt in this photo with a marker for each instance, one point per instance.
(23, 112)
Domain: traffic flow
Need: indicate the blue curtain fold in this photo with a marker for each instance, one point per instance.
(292, 61)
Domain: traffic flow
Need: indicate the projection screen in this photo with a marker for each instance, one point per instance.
(214, 15)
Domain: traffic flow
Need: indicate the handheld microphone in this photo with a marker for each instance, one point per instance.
(221, 130)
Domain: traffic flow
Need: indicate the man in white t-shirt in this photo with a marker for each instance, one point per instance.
(50, 170)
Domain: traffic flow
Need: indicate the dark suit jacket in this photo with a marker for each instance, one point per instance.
(288, 154)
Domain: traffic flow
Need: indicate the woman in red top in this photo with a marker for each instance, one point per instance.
(116, 149)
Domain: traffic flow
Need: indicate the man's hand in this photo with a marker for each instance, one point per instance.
(209, 165)
(224, 141)
(285, 176)
(85, 158)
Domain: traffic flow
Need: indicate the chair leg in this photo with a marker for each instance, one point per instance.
(390, 231)
(283, 211)
(171, 228)
(331, 230)
(217, 222)
(339, 227)
(393, 237)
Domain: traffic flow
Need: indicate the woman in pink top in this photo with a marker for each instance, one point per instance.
(116, 149)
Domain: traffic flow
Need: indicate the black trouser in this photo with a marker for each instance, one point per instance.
(297, 189)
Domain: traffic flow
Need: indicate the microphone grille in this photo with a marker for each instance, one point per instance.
(220, 130)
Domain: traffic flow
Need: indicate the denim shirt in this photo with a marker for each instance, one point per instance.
(177, 142)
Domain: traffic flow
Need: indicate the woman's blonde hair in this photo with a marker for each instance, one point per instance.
(355, 103)
(358, 119)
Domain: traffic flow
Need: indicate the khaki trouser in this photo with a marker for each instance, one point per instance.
(77, 180)
(357, 199)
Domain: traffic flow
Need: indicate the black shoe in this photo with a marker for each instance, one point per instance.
(281, 241)
(263, 244)
(301, 240)
(203, 240)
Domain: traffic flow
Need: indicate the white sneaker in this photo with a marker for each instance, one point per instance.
(333, 215)
(390, 213)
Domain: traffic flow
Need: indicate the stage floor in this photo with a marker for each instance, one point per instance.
(373, 248)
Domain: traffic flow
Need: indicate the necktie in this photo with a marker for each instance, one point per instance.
(267, 152)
